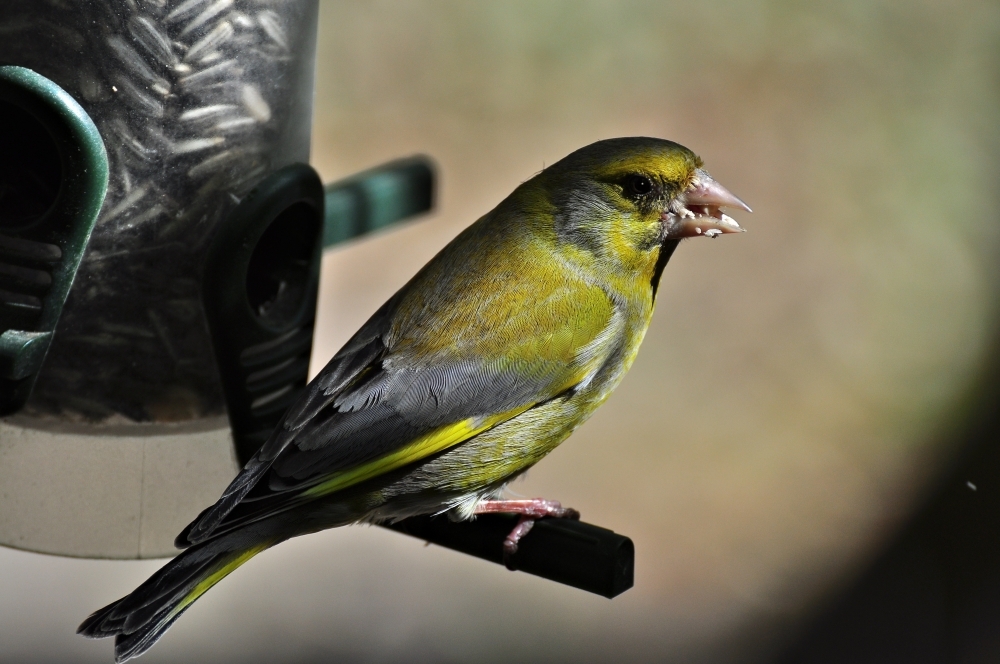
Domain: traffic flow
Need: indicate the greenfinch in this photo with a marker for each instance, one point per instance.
(501, 346)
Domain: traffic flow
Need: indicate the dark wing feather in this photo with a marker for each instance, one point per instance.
(453, 346)
(361, 354)
(364, 405)
(335, 439)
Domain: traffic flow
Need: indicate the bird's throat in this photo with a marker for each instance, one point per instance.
(666, 251)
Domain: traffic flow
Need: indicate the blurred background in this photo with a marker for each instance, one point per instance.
(804, 392)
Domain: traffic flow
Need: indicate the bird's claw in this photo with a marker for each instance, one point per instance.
(523, 527)
(530, 510)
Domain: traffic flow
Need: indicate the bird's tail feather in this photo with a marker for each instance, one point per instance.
(202, 527)
(138, 620)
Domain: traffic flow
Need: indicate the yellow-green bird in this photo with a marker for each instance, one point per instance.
(478, 367)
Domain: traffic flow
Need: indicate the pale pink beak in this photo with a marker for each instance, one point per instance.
(698, 211)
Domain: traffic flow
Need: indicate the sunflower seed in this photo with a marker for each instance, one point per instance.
(215, 37)
(135, 63)
(255, 104)
(211, 12)
(145, 32)
(271, 23)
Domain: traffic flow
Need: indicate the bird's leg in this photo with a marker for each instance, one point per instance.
(533, 507)
(530, 511)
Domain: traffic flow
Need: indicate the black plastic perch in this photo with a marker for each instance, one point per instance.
(570, 552)
(260, 295)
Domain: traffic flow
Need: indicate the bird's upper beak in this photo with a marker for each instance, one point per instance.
(698, 210)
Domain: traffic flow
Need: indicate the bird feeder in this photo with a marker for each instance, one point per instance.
(124, 434)
(160, 239)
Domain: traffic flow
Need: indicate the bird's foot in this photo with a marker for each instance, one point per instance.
(530, 510)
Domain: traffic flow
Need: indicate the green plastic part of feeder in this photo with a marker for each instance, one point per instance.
(377, 198)
(53, 179)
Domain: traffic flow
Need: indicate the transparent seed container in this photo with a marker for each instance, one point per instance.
(196, 101)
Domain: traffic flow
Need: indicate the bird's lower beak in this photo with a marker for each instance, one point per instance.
(698, 211)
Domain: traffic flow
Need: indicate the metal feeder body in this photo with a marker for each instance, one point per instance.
(125, 437)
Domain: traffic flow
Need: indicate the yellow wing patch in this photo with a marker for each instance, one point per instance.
(431, 443)
(219, 574)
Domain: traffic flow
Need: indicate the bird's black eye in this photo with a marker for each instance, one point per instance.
(637, 185)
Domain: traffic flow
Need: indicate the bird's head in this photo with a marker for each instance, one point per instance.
(621, 199)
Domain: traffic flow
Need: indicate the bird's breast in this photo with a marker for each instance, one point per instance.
(620, 348)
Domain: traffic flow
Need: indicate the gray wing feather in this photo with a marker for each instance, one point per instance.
(365, 404)
(399, 405)
(359, 354)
